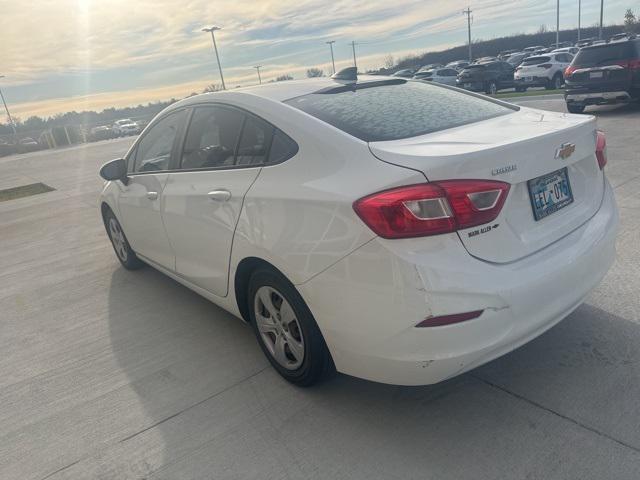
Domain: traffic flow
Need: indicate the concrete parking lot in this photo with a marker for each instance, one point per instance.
(111, 374)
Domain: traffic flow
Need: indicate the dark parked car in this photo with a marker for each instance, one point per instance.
(486, 77)
(517, 58)
(603, 74)
(458, 64)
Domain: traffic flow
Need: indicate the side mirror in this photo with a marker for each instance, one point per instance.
(114, 170)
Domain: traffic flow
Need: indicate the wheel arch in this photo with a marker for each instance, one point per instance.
(243, 273)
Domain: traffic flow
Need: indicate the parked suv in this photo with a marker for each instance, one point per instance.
(542, 71)
(486, 77)
(603, 74)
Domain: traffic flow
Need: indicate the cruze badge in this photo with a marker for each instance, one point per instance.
(505, 169)
(565, 150)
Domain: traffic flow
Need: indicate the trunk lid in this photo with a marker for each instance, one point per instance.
(513, 148)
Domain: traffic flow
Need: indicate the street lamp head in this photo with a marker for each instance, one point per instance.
(211, 29)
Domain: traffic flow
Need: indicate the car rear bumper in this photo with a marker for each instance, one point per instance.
(597, 98)
(531, 81)
(367, 304)
(473, 85)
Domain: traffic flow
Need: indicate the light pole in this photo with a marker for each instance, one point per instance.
(215, 47)
(579, 13)
(353, 47)
(558, 24)
(467, 12)
(333, 62)
(257, 67)
(13, 126)
(601, 14)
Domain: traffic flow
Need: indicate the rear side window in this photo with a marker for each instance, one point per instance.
(282, 148)
(212, 138)
(536, 60)
(391, 111)
(606, 54)
(254, 143)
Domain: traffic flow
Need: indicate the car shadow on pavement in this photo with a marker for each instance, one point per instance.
(206, 404)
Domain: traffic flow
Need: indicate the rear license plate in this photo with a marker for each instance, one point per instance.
(549, 193)
(595, 74)
(528, 79)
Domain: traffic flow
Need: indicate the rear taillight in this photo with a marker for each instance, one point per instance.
(545, 65)
(432, 208)
(569, 70)
(601, 148)
(634, 64)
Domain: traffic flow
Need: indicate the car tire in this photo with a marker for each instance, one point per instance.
(575, 108)
(286, 330)
(125, 254)
(492, 88)
(555, 83)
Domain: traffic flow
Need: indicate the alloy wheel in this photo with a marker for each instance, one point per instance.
(118, 240)
(279, 328)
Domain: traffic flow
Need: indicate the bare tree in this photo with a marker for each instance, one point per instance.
(630, 21)
(314, 72)
(389, 61)
(543, 29)
(214, 87)
(284, 77)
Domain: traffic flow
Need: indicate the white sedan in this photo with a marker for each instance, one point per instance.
(395, 230)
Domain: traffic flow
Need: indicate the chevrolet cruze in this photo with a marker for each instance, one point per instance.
(390, 229)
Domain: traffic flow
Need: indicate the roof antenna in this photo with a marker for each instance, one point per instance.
(349, 74)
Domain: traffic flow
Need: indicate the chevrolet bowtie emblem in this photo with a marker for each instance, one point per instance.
(565, 150)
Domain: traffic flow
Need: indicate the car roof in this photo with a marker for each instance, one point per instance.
(277, 91)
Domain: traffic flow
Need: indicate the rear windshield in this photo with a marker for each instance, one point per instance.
(394, 111)
(535, 60)
(606, 54)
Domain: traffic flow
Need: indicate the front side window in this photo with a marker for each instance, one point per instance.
(153, 152)
(396, 109)
(254, 143)
(212, 138)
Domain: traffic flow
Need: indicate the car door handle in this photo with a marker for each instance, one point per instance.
(152, 195)
(219, 195)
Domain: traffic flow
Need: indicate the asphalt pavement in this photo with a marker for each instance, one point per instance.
(111, 374)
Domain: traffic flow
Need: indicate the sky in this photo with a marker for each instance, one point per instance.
(62, 55)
